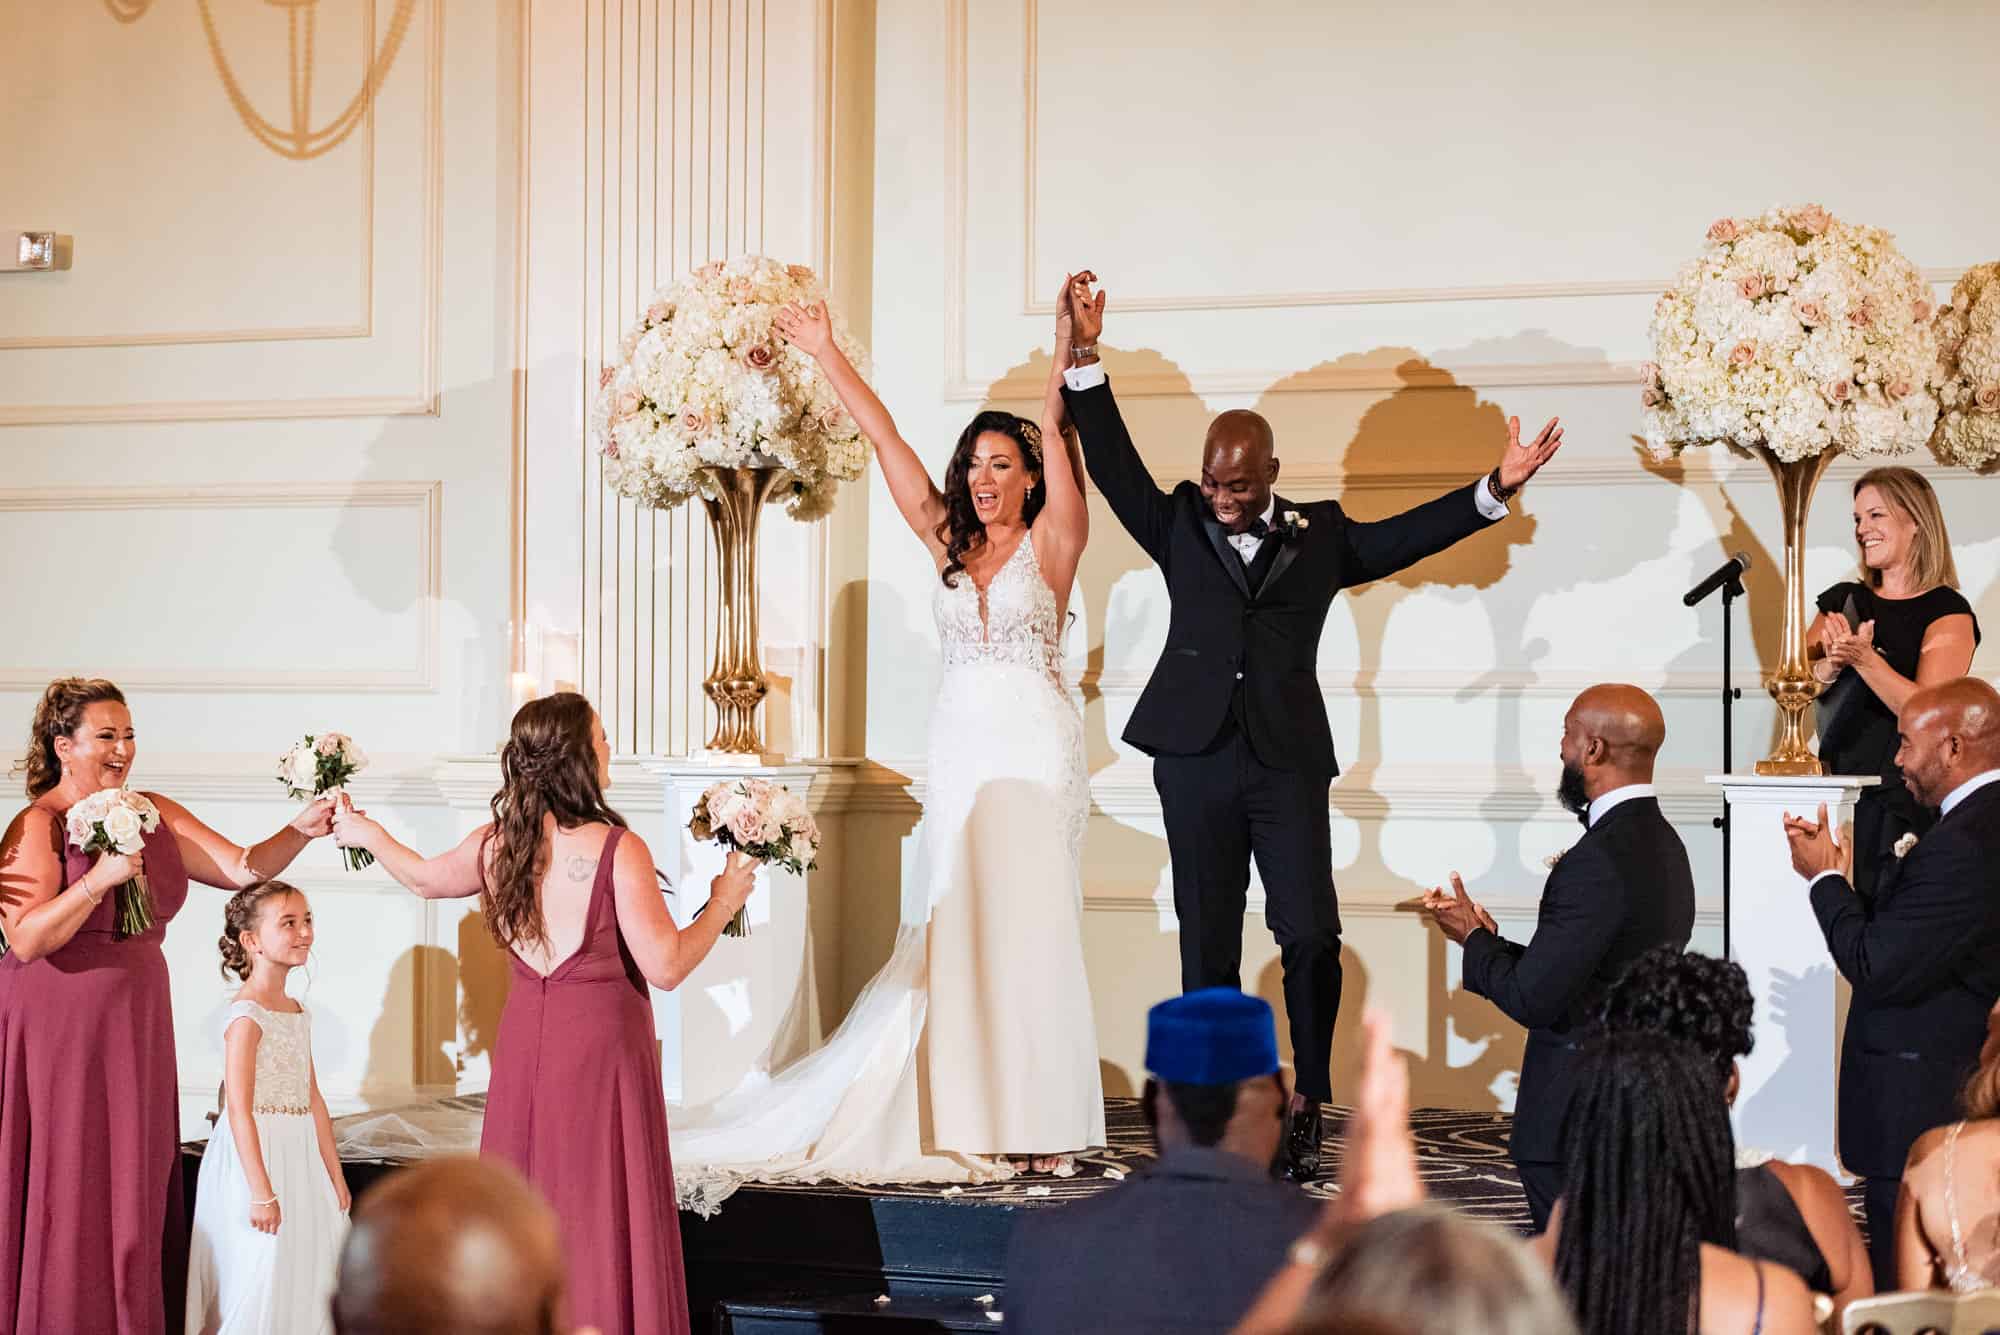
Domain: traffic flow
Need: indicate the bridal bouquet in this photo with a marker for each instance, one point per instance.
(321, 765)
(761, 818)
(117, 820)
(1968, 330)
(1797, 332)
(703, 382)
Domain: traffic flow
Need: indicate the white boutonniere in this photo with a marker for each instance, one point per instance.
(1293, 519)
(1552, 859)
(1905, 844)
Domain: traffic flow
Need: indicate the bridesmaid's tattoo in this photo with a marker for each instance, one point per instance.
(581, 868)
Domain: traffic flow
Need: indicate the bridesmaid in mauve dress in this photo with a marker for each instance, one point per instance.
(575, 1102)
(92, 1229)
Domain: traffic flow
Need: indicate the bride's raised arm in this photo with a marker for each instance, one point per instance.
(1062, 457)
(810, 330)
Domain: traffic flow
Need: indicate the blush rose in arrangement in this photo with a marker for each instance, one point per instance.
(322, 764)
(763, 819)
(702, 382)
(1968, 370)
(1797, 333)
(117, 820)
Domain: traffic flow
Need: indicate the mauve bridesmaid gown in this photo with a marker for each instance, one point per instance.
(93, 1237)
(575, 1104)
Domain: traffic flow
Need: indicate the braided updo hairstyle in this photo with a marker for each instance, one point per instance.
(59, 714)
(1698, 999)
(548, 768)
(240, 915)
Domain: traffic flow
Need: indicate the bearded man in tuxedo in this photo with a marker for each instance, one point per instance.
(1233, 717)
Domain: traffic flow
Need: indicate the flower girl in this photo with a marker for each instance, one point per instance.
(271, 1204)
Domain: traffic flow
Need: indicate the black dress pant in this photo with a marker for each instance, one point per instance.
(1224, 807)
(1541, 1183)
(1878, 1195)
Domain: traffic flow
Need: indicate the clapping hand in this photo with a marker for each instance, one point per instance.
(1520, 462)
(1847, 646)
(1818, 846)
(1455, 911)
(807, 328)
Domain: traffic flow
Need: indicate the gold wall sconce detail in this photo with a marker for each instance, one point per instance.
(35, 251)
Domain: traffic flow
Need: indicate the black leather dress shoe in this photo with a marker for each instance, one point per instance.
(1302, 1132)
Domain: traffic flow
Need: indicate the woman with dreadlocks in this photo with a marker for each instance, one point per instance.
(1645, 1233)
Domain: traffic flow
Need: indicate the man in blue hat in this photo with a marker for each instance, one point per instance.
(1186, 1245)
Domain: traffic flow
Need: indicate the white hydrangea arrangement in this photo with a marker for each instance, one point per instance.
(1968, 371)
(1796, 332)
(702, 381)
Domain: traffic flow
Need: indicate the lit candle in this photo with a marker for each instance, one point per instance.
(521, 688)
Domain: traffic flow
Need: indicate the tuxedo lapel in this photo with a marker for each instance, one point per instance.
(1288, 552)
(1232, 560)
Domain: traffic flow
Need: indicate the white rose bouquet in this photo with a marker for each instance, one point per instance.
(323, 764)
(1796, 332)
(760, 818)
(703, 382)
(117, 820)
(1968, 372)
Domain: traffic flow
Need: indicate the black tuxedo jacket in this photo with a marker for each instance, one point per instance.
(1222, 636)
(1184, 1246)
(1923, 959)
(1622, 889)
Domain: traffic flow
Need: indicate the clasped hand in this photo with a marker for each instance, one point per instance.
(1819, 846)
(1455, 911)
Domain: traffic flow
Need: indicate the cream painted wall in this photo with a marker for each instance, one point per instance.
(1387, 230)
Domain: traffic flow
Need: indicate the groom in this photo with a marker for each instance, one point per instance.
(1233, 717)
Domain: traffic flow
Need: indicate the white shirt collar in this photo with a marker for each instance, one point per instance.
(1603, 802)
(1967, 789)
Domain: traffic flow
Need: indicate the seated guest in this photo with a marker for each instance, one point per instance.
(1622, 889)
(1644, 1237)
(1430, 1271)
(1951, 1190)
(1378, 1259)
(1794, 1214)
(1185, 1245)
(462, 1245)
(1923, 952)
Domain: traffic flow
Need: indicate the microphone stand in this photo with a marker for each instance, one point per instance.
(1730, 695)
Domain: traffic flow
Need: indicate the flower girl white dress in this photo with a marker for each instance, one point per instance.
(241, 1281)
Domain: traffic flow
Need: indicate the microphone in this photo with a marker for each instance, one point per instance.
(1731, 569)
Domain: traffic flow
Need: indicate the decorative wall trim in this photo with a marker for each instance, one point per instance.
(422, 403)
(426, 499)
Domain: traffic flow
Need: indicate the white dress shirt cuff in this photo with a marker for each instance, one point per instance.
(1489, 505)
(1088, 376)
(1831, 871)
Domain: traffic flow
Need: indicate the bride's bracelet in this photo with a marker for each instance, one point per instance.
(260, 1204)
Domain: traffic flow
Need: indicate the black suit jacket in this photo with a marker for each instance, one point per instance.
(1184, 1246)
(1221, 636)
(1622, 889)
(1924, 962)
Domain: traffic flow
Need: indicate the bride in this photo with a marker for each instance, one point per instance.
(976, 1040)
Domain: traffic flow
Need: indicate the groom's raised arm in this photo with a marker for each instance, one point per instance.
(1114, 462)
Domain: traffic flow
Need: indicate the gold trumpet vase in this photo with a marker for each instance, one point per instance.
(1793, 685)
(736, 678)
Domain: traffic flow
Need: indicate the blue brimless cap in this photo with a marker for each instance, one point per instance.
(1216, 1036)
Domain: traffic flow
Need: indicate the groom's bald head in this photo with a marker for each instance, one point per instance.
(1239, 465)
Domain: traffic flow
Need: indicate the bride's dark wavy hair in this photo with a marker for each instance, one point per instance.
(547, 768)
(962, 532)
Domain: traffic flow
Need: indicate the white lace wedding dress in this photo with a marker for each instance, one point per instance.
(976, 1039)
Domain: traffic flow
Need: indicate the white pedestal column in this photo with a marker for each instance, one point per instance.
(752, 994)
(1786, 1104)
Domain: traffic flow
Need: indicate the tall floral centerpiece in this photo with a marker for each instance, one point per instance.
(1793, 336)
(706, 402)
(1968, 370)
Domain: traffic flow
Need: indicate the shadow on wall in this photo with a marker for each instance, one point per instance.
(484, 978)
(408, 1046)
